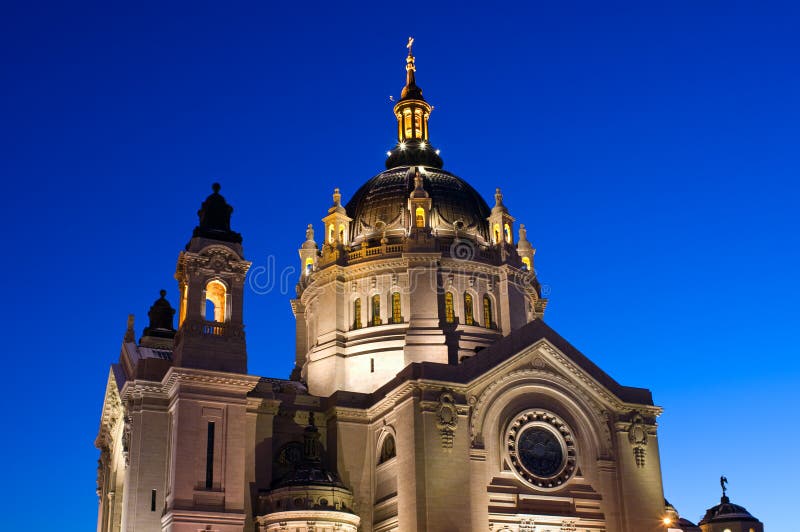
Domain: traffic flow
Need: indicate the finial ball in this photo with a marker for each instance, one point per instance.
(163, 293)
(215, 187)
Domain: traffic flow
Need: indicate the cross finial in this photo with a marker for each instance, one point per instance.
(410, 44)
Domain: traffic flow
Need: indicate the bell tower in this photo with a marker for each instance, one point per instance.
(210, 274)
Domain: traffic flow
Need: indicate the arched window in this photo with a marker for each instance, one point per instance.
(449, 312)
(388, 449)
(331, 229)
(309, 264)
(508, 233)
(396, 314)
(357, 313)
(341, 234)
(487, 312)
(420, 217)
(496, 233)
(526, 263)
(215, 301)
(469, 316)
(376, 309)
(407, 124)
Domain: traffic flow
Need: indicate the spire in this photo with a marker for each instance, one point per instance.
(411, 91)
(723, 482)
(412, 112)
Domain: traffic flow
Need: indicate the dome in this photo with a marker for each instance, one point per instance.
(726, 511)
(382, 203)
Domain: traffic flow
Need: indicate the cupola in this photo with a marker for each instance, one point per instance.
(412, 112)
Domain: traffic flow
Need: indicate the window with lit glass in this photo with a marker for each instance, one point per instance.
(496, 234)
(526, 263)
(396, 314)
(331, 229)
(407, 124)
(487, 312)
(376, 309)
(508, 233)
(357, 313)
(420, 217)
(469, 316)
(449, 311)
(215, 301)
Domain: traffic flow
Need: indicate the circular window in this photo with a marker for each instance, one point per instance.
(540, 448)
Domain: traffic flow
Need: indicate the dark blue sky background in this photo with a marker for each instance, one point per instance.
(651, 148)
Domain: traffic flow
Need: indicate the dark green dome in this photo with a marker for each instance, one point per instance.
(382, 202)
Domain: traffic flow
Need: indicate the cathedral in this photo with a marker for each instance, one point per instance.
(428, 392)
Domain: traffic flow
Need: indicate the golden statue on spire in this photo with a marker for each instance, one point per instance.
(410, 44)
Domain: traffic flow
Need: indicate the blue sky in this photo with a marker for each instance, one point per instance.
(649, 147)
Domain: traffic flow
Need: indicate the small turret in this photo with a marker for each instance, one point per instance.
(161, 331)
(215, 219)
(501, 223)
(308, 252)
(524, 249)
(337, 223)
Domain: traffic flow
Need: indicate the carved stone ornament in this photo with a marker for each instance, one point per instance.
(446, 419)
(637, 436)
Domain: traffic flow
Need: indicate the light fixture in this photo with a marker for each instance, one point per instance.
(389, 153)
(437, 152)
(422, 145)
(667, 521)
(402, 145)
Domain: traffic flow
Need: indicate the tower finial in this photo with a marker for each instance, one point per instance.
(723, 482)
(411, 67)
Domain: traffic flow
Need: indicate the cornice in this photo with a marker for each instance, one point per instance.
(231, 381)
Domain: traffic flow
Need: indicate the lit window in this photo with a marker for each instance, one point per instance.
(508, 233)
(309, 265)
(376, 309)
(396, 315)
(526, 263)
(487, 312)
(407, 124)
(215, 301)
(469, 317)
(357, 313)
(184, 302)
(496, 234)
(417, 123)
(449, 312)
(420, 216)
(331, 229)
(341, 234)
(388, 450)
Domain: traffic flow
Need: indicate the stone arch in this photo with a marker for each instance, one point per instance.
(540, 388)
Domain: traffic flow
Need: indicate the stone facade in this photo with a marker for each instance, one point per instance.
(428, 393)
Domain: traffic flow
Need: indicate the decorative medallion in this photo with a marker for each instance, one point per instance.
(446, 419)
(637, 436)
(541, 449)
